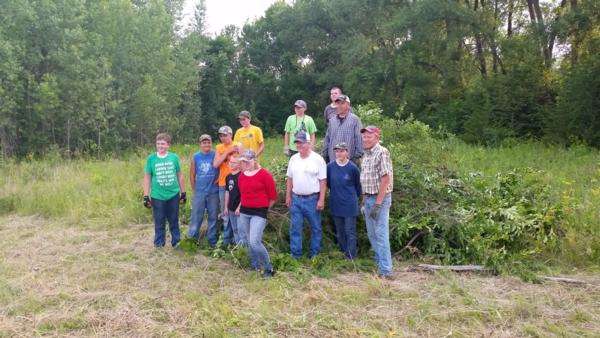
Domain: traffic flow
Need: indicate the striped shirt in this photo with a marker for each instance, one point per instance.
(344, 130)
(375, 163)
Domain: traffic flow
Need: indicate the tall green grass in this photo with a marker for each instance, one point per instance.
(107, 192)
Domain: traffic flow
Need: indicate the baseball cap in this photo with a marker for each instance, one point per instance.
(301, 137)
(343, 98)
(225, 130)
(244, 113)
(341, 145)
(204, 137)
(300, 103)
(371, 129)
(248, 155)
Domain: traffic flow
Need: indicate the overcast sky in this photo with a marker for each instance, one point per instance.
(220, 13)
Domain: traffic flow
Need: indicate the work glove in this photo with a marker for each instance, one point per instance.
(147, 202)
(374, 214)
(182, 198)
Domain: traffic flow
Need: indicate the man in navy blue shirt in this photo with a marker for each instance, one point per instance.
(343, 181)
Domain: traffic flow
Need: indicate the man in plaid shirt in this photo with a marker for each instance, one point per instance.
(376, 178)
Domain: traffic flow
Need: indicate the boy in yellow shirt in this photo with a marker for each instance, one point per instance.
(251, 137)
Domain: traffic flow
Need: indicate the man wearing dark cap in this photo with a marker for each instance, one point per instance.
(376, 178)
(295, 123)
(250, 136)
(344, 127)
(305, 195)
(331, 109)
(343, 181)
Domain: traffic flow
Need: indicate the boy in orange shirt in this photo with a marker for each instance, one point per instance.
(223, 150)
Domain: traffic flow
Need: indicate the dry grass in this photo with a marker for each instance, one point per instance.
(65, 280)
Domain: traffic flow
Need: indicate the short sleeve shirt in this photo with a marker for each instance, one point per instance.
(224, 169)
(375, 163)
(306, 173)
(295, 124)
(163, 172)
(250, 138)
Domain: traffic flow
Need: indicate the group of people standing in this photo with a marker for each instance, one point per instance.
(232, 188)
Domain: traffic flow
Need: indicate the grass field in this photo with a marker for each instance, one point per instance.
(63, 280)
(77, 259)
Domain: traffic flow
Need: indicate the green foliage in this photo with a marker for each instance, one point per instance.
(455, 216)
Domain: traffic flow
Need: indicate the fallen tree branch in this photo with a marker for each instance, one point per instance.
(415, 237)
(565, 280)
(455, 268)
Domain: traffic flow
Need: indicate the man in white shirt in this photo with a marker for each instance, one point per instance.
(305, 195)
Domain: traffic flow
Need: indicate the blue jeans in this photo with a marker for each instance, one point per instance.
(345, 230)
(163, 211)
(379, 232)
(254, 226)
(205, 202)
(305, 207)
(228, 237)
(239, 232)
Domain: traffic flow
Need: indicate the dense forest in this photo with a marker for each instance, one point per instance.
(102, 76)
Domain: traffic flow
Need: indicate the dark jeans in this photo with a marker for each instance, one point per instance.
(345, 230)
(166, 211)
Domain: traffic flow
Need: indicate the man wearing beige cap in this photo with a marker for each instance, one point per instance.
(295, 123)
(377, 179)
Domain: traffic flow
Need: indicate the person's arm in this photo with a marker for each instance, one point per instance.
(288, 192)
(261, 147)
(358, 145)
(321, 201)
(220, 157)
(357, 184)
(181, 181)
(286, 142)
(192, 173)
(325, 151)
(271, 189)
(383, 185)
(313, 139)
(226, 203)
(146, 184)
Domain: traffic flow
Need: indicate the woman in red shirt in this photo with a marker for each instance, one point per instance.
(257, 194)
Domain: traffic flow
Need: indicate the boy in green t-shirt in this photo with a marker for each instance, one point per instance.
(163, 182)
(295, 123)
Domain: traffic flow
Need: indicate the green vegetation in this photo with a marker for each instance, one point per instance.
(518, 208)
(97, 77)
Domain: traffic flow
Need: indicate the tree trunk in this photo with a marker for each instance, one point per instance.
(509, 27)
(479, 46)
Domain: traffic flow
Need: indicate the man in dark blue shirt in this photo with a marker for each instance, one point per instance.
(343, 181)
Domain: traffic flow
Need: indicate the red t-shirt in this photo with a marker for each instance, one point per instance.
(256, 191)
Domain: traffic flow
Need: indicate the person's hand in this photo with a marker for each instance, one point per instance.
(237, 211)
(362, 209)
(288, 201)
(320, 204)
(374, 214)
(147, 202)
(182, 198)
(286, 151)
(226, 212)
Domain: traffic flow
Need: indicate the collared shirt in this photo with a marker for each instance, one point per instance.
(344, 130)
(376, 163)
(306, 173)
